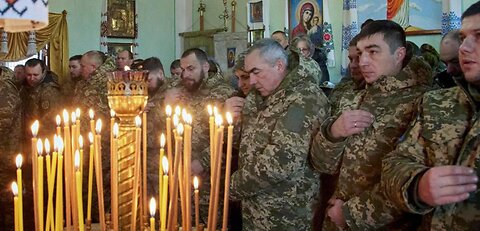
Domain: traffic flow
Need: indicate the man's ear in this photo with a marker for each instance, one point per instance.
(280, 65)
(206, 66)
(400, 54)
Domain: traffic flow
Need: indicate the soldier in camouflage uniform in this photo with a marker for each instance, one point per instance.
(274, 180)
(75, 69)
(10, 144)
(368, 127)
(91, 93)
(434, 172)
(157, 85)
(42, 97)
(195, 90)
(348, 88)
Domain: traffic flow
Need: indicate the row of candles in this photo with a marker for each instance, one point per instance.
(181, 172)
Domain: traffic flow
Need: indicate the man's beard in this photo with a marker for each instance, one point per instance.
(191, 87)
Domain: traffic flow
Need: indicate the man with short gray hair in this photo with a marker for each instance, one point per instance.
(274, 180)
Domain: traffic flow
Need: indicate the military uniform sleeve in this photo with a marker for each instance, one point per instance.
(51, 103)
(401, 168)
(9, 109)
(282, 157)
(326, 152)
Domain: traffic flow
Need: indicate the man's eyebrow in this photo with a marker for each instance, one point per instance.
(253, 69)
(372, 46)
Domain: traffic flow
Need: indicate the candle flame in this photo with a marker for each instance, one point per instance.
(60, 145)
(55, 142)
(90, 137)
(112, 113)
(19, 160)
(15, 189)
(184, 115)
(189, 119)
(77, 113)
(215, 110)
(115, 130)
(229, 118)
(74, 117)
(65, 117)
(178, 110)
(218, 120)
(47, 146)
(168, 110)
(91, 114)
(34, 128)
(210, 110)
(175, 120)
(98, 126)
(165, 165)
(153, 207)
(195, 182)
(80, 141)
(162, 140)
(126, 68)
(76, 162)
(39, 147)
(58, 119)
(138, 121)
(180, 129)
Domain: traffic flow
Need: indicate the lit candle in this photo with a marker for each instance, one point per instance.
(98, 173)
(136, 175)
(15, 206)
(216, 172)
(40, 183)
(80, 146)
(113, 177)
(91, 115)
(168, 111)
(78, 175)
(19, 161)
(50, 182)
(68, 164)
(163, 202)
(59, 196)
(144, 168)
(90, 178)
(34, 129)
(77, 134)
(197, 202)
(173, 208)
(187, 159)
(74, 132)
(211, 124)
(160, 169)
(58, 121)
(178, 110)
(227, 170)
(153, 207)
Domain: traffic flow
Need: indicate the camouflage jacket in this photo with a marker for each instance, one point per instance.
(10, 119)
(347, 89)
(446, 132)
(274, 180)
(43, 103)
(393, 101)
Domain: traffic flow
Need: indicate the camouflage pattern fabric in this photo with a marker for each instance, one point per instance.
(274, 181)
(42, 103)
(214, 91)
(92, 94)
(393, 101)
(347, 89)
(10, 144)
(446, 132)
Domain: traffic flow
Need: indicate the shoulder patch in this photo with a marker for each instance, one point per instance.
(294, 118)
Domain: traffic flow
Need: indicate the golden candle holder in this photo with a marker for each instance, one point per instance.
(127, 96)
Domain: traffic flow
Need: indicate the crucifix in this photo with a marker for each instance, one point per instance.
(202, 9)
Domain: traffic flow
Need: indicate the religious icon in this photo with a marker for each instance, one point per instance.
(121, 18)
(256, 12)
(231, 57)
(306, 18)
